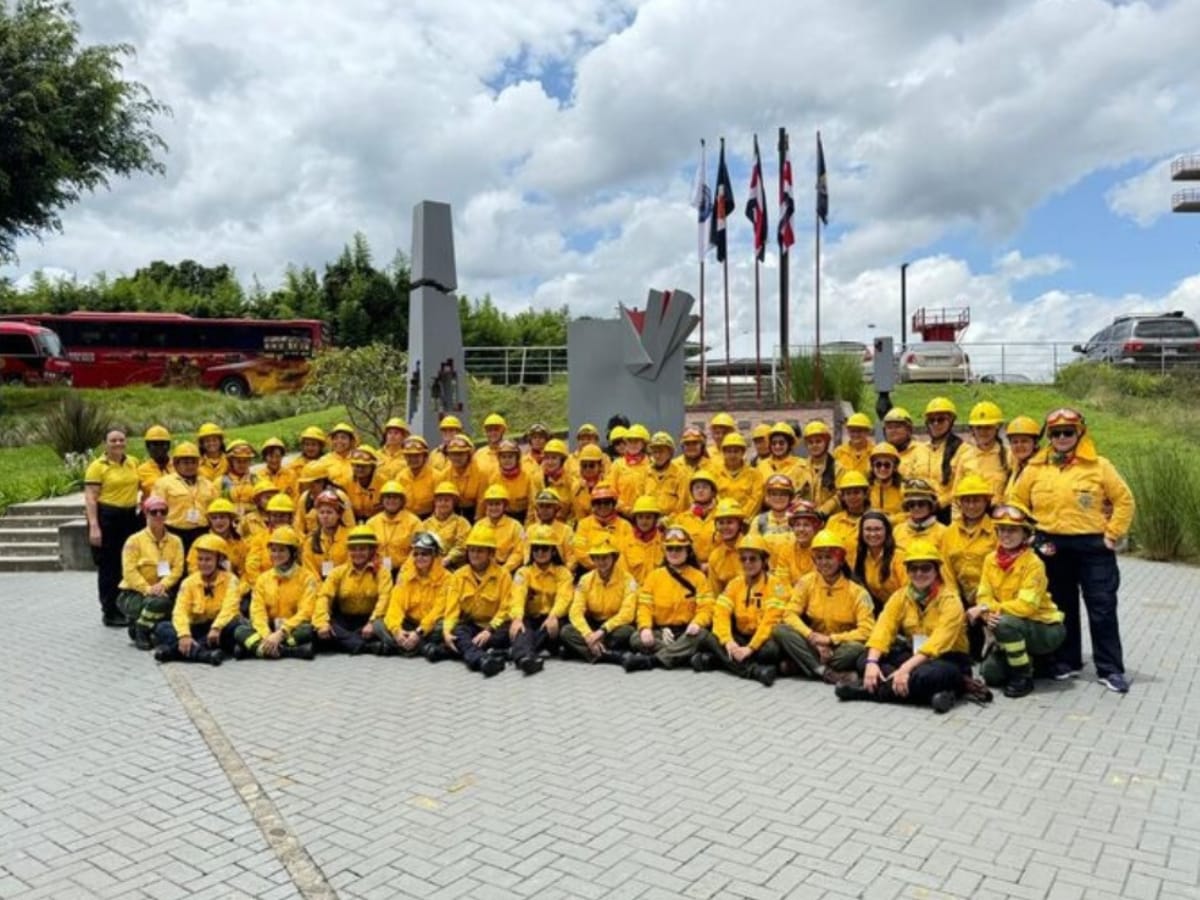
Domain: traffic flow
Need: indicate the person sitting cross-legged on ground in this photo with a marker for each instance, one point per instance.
(410, 625)
(917, 652)
(1015, 606)
(825, 628)
(281, 605)
(674, 609)
(541, 598)
(602, 609)
(353, 596)
(201, 627)
(478, 604)
(744, 617)
(151, 566)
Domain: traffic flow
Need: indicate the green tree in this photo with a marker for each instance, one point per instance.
(68, 121)
(370, 381)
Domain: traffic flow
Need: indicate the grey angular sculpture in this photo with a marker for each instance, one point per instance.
(436, 375)
(632, 365)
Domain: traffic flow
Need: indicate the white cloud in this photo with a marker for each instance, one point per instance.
(1145, 197)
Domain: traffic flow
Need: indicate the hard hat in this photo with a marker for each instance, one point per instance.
(858, 420)
(221, 507)
(415, 445)
(587, 428)
(1010, 512)
(677, 537)
(662, 439)
(156, 433)
(508, 445)
(603, 548)
(647, 505)
(397, 423)
(364, 455)
(754, 542)
(343, 428)
(548, 495)
(817, 428)
(761, 431)
(637, 432)
(558, 447)
(460, 443)
(604, 491)
(985, 413)
(285, 536)
(362, 535)
(495, 420)
(542, 536)
(618, 433)
(185, 450)
(263, 486)
(537, 428)
(918, 489)
(722, 420)
(804, 509)
(973, 485)
(395, 488)
(241, 449)
(922, 551)
(212, 543)
(210, 429)
(733, 439)
(328, 498)
(313, 433)
(591, 453)
(481, 535)
(450, 422)
(703, 475)
(314, 471)
(883, 448)
(728, 509)
(1023, 425)
(940, 405)
(827, 540)
(783, 429)
(691, 435)
(779, 482)
(153, 502)
(281, 503)
(272, 443)
(1066, 416)
(444, 489)
(427, 541)
(898, 414)
(496, 492)
(852, 478)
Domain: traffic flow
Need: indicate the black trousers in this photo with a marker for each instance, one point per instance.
(1081, 563)
(116, 526)
(945, 673)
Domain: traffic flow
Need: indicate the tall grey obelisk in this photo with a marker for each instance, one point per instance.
(437, 380)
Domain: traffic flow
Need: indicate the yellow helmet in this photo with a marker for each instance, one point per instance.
(754, 542)
(858, 420)
(450, 422)
(272, 443)
(558, 447)
(241, 449)
(646, 505)
(460, 443)
(703, 475)
(804, 509)
(481, 535)
(883, 448)
(284, 536)
(313, 433)
(212, 543)
(281, 503)
(677, 537)
(397, 423)
(761, 431)
(542, 536)
(496, 492)
(783, 429)
(362, 536)
(495, 420)
(508, 445)
(728, 509)
(587, 428)
(733, 439)
(185, 450)
(898, 414)
(548, 496)
(918, 489)
(537, 428)
(344, 428)
(221, 507)
(691, 435)
(1066, 416)
(973, 485)
(264, 486)
(618, 433)
(1010, 512)
(827, 540)
(394, 488)
(313, 471)
(922, 551)
(662, 439)
(604, 491)
(941, 405)
(445, 489)
(779, 482)
(210, 429)
(817, 428)
(637, 432)
(415, 445)
(591, 453)
(156, 433)
(722, 420)
(603, 548)
(852, 478)
(1023, 425)
(985, 413)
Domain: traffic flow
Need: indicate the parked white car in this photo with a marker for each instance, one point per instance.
(935, 361)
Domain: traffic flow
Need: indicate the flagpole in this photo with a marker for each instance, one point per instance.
(817, 386)
(725, 286)
(783, 283)
(757, 335)
(703, 339)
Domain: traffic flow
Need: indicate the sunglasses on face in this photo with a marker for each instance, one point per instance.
(922, 568)
(1062, 432)
(938, 419)
(749, 557)
(156, 512)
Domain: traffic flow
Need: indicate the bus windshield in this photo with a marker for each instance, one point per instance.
(50, 344)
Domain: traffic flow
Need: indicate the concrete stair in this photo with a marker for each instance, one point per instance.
(29, 538)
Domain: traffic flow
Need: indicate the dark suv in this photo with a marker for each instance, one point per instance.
(1161, 341)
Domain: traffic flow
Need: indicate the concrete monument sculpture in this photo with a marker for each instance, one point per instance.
(436, 374)
(632, 365)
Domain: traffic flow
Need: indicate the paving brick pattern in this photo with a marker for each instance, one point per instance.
(404, 779)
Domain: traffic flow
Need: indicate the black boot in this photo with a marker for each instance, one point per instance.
(164, 654)
(530, 665)
(300, 651)
(212, 657)
(764, 675)
(611, 657)
(703, 661)
(943, 701)
(637, 662)
(114, 618)
(852, 692)
(436, 652)
(240, 652)
(377, 648)
(1018, 686)
(493, 664)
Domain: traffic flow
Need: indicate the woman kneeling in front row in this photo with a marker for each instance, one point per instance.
(206, 611)
(917, 652)
(281, 605)
(674, 609)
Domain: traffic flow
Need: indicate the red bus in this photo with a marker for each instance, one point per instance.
(32, 355)
(238, 357)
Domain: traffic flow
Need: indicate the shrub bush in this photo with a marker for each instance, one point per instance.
(841, 377)
(75, 425)
(1166, 486)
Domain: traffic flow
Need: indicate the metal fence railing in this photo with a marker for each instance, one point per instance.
(516, 365)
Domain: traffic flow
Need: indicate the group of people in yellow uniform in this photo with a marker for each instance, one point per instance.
(886, 569)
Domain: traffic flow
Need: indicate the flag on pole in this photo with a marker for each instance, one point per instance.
(756, 206)
(822, 184)
(702, 200)
(787, 204)
(723, 204)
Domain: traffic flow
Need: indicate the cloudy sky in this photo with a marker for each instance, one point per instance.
(1016, 153)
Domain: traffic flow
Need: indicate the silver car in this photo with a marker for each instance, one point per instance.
(935, 361)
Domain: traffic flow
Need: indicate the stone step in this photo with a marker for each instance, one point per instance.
(10, 550)
(30, 564)
(27, 535)
(38, 520)
(66, 506)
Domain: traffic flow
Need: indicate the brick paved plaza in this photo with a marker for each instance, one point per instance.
(369, 777)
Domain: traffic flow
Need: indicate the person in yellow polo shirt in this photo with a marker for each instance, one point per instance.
(738, 480)
(365, 482)
(202, 624)
(478, 605)
(602, 609)
(541, 598)
(855, 453)
(273, 470)
(394, 526)
(237, 484)
(391, 454)
(313, 442)
(110, 496)
(158, 462)
(411, 626)
(213, 463)
(966, 542)
(602, 524)
(222, 523)
(448, 526)
(326, 547)
(353, 597)
(152, 567)
(914, 460)
(282, 604)
(877, 562)
(674, 610)
(418, 476)
(187, 493)
(338, 467)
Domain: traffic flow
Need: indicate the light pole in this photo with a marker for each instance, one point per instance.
(903, 304)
